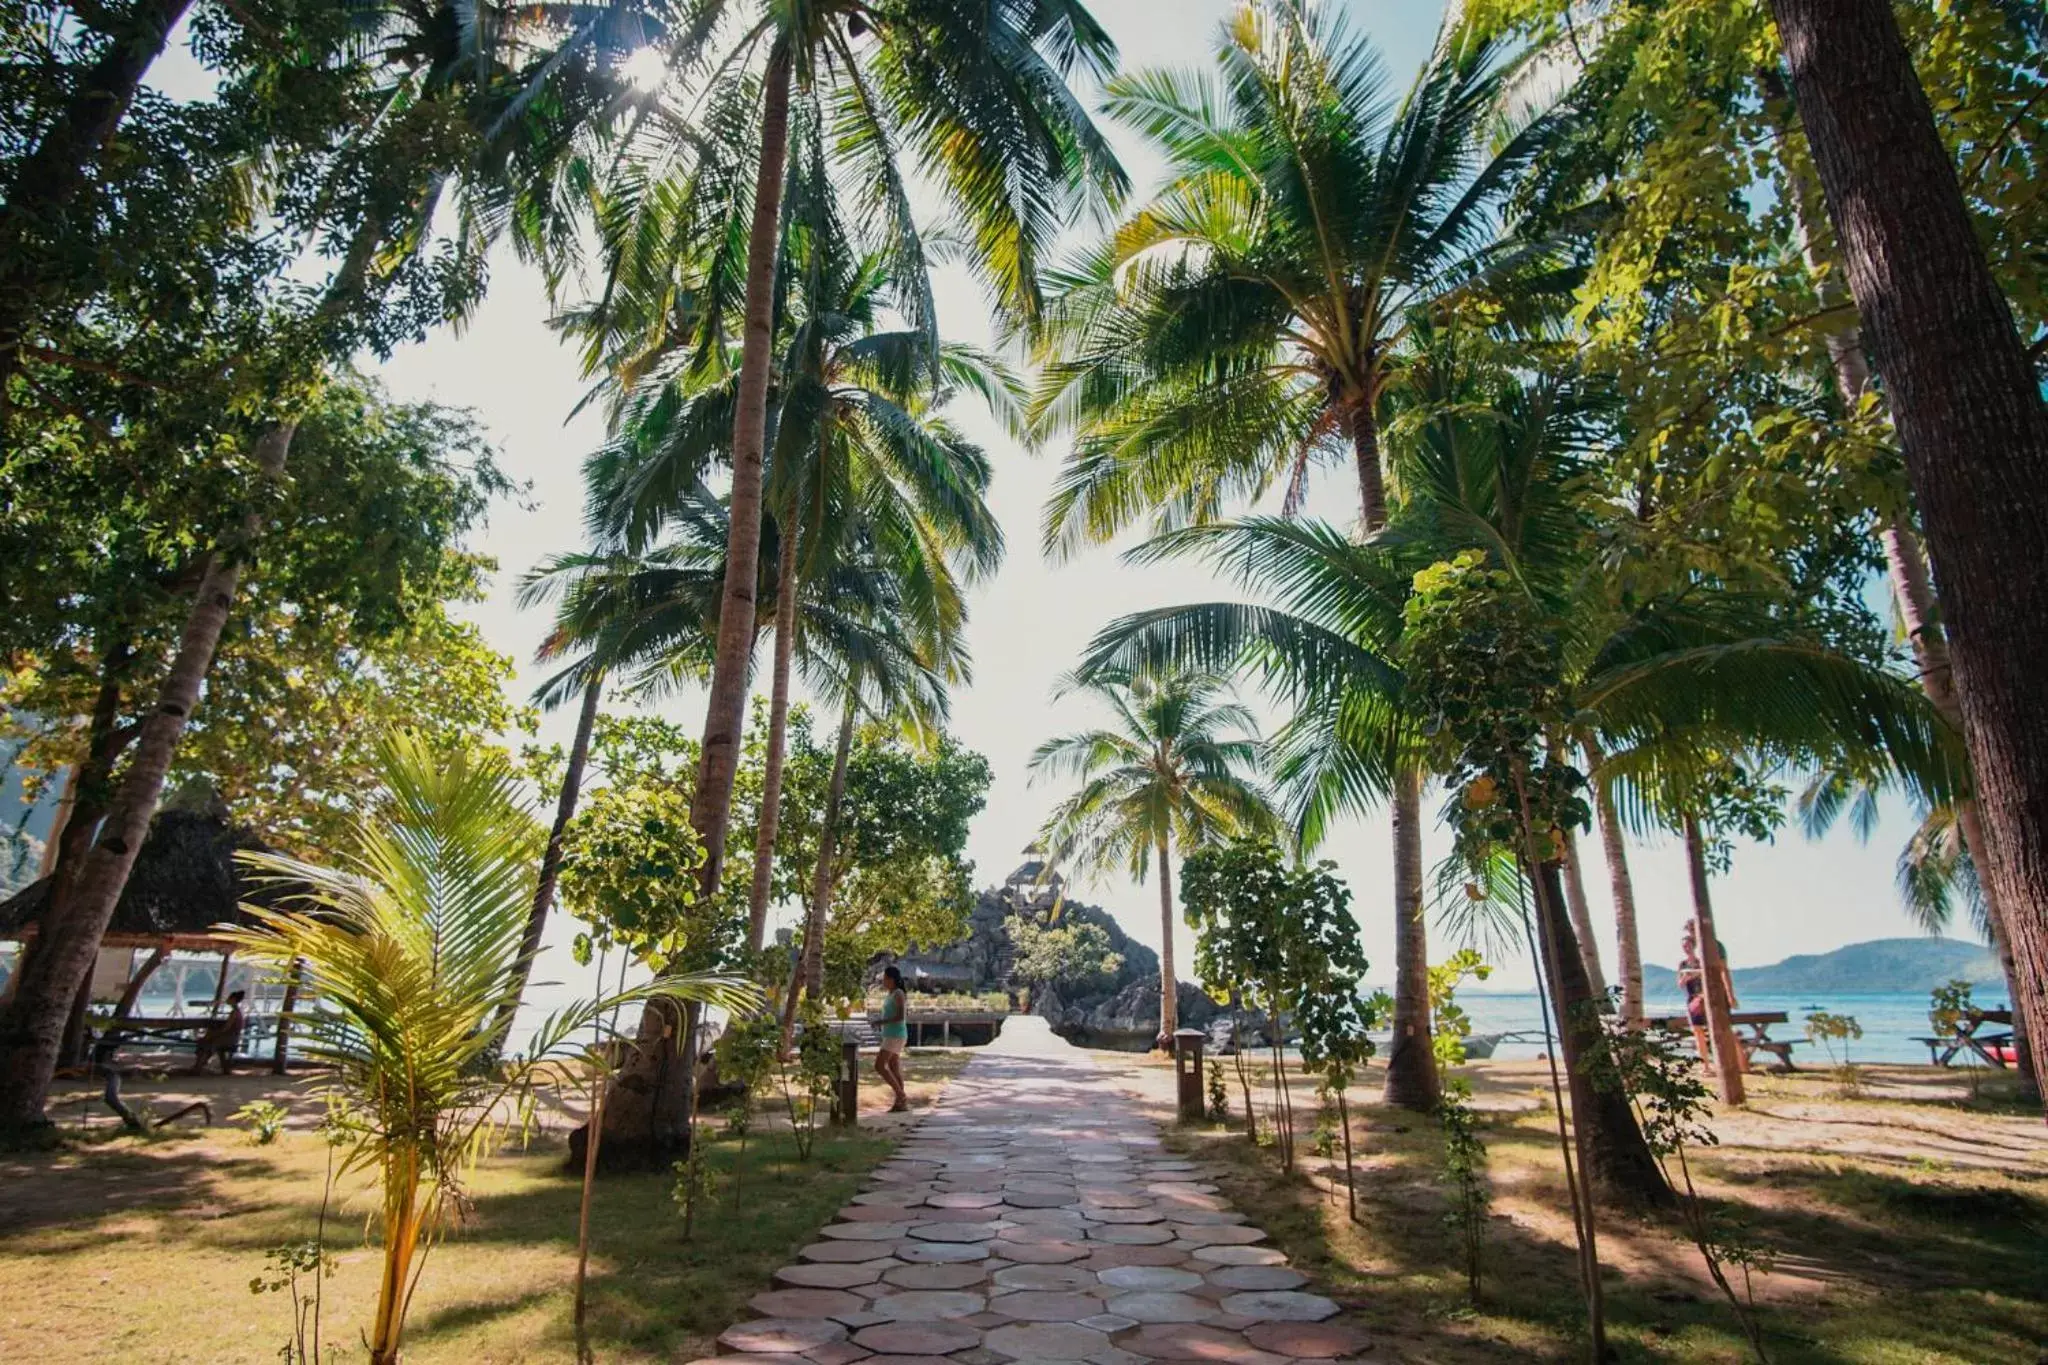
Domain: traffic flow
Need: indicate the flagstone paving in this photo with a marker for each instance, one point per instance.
(1033, 1217)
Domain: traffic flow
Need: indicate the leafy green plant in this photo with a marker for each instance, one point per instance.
(1219, 1093)
(1282, 937)
(809, 1077)
(1323, 1138)
(693, 1182)
(285, 1267)
(1830, 1029)
(416, 945)
(265, 1120)
(1464, 1171)
(295, 1270)
(1450, 1024)
(1947, 1006)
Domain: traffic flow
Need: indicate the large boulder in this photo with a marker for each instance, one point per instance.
(1125, 1019)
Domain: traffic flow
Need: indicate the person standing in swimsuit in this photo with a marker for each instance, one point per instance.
(895, 1033)
(1692, 979)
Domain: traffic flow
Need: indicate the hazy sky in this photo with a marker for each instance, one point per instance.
(1031, 621)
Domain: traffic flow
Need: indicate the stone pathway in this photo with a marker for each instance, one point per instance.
(1033, 1217)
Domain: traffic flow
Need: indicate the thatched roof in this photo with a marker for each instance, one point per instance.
(186, 881)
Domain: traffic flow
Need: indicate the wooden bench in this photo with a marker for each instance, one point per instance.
(166, 1031)
(1752, 1032)
(1987, 1047)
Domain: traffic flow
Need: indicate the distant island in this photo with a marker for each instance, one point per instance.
(1883, 965)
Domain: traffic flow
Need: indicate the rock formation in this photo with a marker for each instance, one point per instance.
(1122, 1013)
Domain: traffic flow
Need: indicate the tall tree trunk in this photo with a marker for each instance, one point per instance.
(645, 1109)
(1582, 918)
(51, 176)
(1169, 978)
(551, 859)
(811, 969)
(778, 737)
(1412, 1081)
(89, 795)
(1730, 1061)
(726, 710)
(1628, 945)
(1365, 455)
(1905, 563)
(1971, 824)
(67, 801)
(1617, 1163)
(31, 1029)
(1971, 421)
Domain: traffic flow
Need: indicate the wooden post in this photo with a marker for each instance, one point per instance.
(847, 1112)
(284, 1028)
(1187, 1071)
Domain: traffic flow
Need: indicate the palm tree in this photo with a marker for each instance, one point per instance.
(414, 947)
(1247, 322)
(979, 92)
(1174, 770)
(1656, 682)
(859, 450)
(908, 682)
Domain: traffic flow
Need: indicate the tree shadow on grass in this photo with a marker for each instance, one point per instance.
(651, 1288)
(1872, 1265)
(462, 1317)
(74, 1188)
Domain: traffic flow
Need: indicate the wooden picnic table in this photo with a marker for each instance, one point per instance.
(1942, 1051)
(1752, 1032)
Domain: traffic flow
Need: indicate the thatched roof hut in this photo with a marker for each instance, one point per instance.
(186, 882)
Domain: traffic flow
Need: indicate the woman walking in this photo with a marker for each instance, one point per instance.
(895, 1032)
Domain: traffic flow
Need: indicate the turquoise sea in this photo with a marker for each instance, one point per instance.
(1891, 1021)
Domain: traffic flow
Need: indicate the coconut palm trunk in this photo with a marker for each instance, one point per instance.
(1905, 567)
(1730, 1061)
(778, 739)
(1169, 979)
(401, 1230)
(1971, 420)
(1365, 454)
(60, 167)
(1617, 1163)
(725, 712)
(551, 858)
(1412, 1080)
(32, 1028)
(1628, 946)
(810, 974)
(1582, 916)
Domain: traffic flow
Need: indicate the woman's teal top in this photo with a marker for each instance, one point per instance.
(893, 1025)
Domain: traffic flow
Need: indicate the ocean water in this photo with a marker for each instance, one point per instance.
(1891, 1021)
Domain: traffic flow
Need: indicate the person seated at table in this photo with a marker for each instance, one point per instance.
(221, 1039)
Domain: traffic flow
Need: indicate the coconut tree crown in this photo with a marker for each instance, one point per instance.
(1245, 323)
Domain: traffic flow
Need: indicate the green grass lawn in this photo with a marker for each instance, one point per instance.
(140, 1251)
